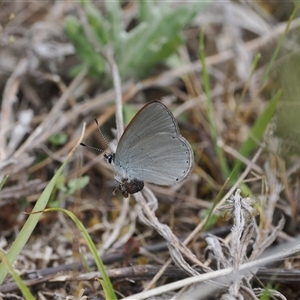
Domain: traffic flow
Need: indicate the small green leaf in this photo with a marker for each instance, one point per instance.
(60, 183)
(147, 11)
(58, 139)
(98, 24)
(3, 182)
(83, 48)
(115, 17)
(78, 184)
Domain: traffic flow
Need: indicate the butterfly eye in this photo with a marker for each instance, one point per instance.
(109, 157)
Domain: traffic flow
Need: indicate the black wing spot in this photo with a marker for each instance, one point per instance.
(176, 179)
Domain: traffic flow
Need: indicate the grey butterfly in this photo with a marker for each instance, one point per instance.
(152, 150)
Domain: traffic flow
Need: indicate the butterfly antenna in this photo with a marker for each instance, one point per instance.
(102, 135)
(94, 148)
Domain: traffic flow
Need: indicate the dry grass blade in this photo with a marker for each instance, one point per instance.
(176, 248)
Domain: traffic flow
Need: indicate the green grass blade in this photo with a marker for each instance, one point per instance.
(106, 283)
(257, 132)
(216, 201)
(31, 223)
(3, 182)
(23, 288)
(279, 45)
(253, 68)
(210, 111)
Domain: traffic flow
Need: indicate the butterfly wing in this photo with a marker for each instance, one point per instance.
(152, 149)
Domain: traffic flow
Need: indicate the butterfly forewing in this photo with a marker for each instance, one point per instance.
(152, 118)
(152, 149)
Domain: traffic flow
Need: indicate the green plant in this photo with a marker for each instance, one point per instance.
(58, 139)
(105, 281)
(210, 110)
(256, 133)
(31, 222)
(22, 286)
(68, 189)
(3, 182)
(156, 36)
